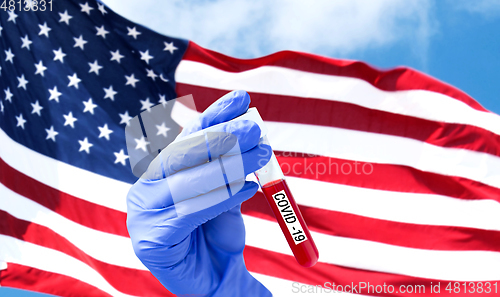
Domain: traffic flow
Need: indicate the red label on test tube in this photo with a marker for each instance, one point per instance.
(291, 222)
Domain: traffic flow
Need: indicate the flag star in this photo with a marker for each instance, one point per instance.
(79, 42)
(36, 108)
(121, 157)
(163, 100)
(151, 74)
(69, 119)
(145, 56)
(1, 30)
(22, 82)
(74, 80)
(85, 145)
(40, 69)
(54, 94)
(131, 80)
(162, 129)
(44, 29)
(146, 105)
(110, 93)
(141, 143)
(65, 17)
(133, 32)
(89, 106)
(20, 121)
(125, 118)
(95, 67)
(170, 47)
(116, 56)
(8, 95)
(26, 42)
(10, 55)
(102, 32)
(51, 134)
(1, 106)
(12, 16)
(86, 8)
(104, 131)
(59, 55)
(101, 9)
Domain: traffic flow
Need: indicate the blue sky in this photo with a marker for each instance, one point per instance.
(456, 41)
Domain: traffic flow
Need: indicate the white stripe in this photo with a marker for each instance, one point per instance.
(285, 288)
(108, 248)
(413, 208)
(23, 253)
(97, 189)
(284, 81)
(375, 256)
(385, 149)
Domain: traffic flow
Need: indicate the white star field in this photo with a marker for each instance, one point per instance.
(51, 80)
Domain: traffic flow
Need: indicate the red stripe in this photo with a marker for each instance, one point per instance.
(73, 208)
(397, 79)
(402, 234)
(29, 278)
(354, 117)
(384, 175)
(126, 280)
(285, 267)
(387, 177)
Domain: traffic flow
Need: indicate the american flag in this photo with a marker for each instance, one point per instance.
(396, 173)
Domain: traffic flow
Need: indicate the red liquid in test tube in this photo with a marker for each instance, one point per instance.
(291, 222)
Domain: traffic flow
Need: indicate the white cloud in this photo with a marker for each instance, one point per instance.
(245, 28)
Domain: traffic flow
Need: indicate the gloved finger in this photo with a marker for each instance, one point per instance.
(226, 108)
(202, 179)
(155, 231)
(196, 181)
(230, 138)
(229, 222)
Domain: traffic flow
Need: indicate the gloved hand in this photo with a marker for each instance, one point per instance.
(183, 215)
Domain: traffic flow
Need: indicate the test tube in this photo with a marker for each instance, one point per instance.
(285, 209)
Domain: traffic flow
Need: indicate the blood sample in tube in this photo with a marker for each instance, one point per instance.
(291, 222)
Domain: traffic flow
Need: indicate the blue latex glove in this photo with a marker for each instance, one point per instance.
(194, 247)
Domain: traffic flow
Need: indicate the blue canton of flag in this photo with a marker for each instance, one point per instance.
(72, 78)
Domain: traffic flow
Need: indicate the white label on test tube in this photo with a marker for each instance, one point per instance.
(289, 216)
